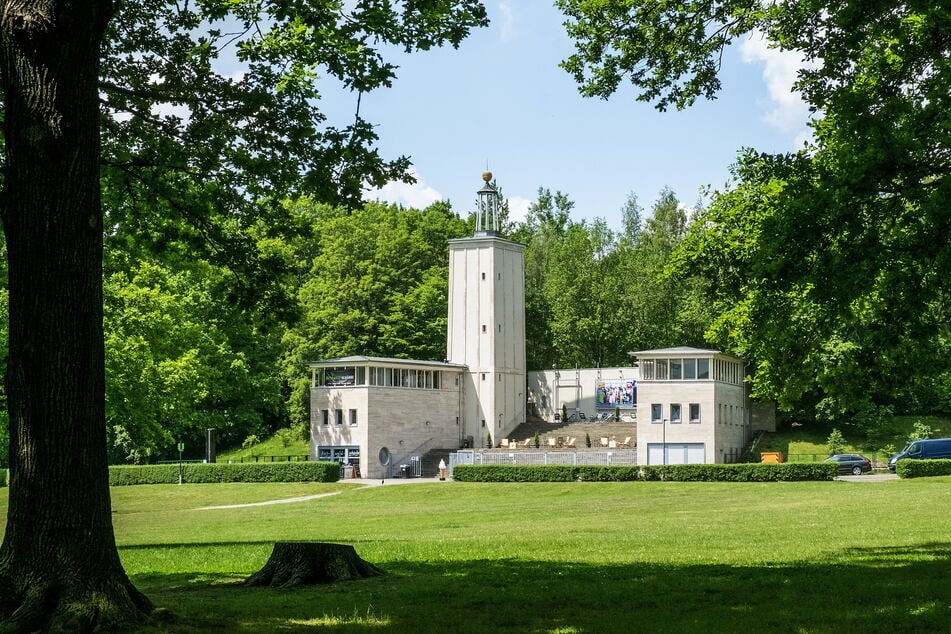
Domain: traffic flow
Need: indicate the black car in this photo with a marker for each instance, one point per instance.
(853, 463)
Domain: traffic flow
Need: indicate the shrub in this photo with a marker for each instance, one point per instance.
(250, 441)
(922, 468)
(221, 472)
(744, 472)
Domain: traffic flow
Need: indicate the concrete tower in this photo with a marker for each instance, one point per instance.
(486, 330)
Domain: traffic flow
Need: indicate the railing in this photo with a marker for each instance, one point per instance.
(618, 457)
(297, 458)
(409, 458)
(878, 458)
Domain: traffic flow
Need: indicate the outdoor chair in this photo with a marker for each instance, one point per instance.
(625, 443)
(551, 442)
(527, 443)
(604, 441)
(505, 443)
(571, 442)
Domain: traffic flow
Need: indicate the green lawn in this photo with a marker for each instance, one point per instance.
(555, 557)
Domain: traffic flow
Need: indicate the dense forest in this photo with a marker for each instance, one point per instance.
(196, 342)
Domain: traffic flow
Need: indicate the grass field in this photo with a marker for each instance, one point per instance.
(578, 557)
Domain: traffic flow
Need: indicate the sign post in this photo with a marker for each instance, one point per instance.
(181, 467)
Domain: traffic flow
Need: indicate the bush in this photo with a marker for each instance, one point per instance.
(752, 472)
(221, 472)
(922, 468)
(4, 474)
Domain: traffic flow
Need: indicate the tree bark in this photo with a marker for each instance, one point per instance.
(306, 563)
(59, 567)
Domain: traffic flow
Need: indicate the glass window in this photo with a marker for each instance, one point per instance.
(324, 417)
(695, 412)
(436, 379)
(353, 418)
(338, 417)
(675, 412)
(361, 376)
(660, 370)
(690, 369)
(703, 368)
(656, 412)
(647, 369)
(676, 369)
(323, 453)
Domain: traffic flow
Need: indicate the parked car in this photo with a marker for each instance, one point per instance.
(929, 449)
(853, 463)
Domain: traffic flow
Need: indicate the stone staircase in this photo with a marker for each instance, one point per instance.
(544, 429)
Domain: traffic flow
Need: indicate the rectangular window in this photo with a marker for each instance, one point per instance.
(353, 418)
(324, 417)
(703, 368)
(690, 369)
(660, 370)
(656, 412)
(361, 376)
(675, 412)
(647, 370)
(676, 367)
(338, 417)
(388, 377)
(695, 412)
(436, 376)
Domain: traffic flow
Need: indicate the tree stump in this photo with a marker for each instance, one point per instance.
(308, 563)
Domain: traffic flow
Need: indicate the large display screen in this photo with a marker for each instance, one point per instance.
(619, 393)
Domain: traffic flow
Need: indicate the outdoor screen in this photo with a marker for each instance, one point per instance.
(611, 394)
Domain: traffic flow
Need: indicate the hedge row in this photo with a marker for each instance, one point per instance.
(922, 468)
(222, 472)
(753, 472)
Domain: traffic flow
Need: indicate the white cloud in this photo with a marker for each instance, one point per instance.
(506, 22)
(788, 111)
(518, 208)
(416, 195)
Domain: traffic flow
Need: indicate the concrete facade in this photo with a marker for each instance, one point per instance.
(486, 332)
(369, 416)
(695, 410)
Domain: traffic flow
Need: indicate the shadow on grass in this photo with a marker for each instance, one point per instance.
(900, 589)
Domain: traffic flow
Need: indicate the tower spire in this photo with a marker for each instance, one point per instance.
(487, 211)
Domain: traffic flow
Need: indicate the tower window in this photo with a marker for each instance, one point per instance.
(483, 276)
(483, 328)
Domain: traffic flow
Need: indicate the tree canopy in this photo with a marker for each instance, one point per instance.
(828, 266)
(120, 123)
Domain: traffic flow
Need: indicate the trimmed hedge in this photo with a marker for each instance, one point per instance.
(4, 475)
(223, 472)
(752, 472)
(922, 468)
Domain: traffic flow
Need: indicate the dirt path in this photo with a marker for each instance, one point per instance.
(305, 498)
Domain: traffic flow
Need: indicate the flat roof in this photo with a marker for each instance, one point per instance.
(683, 351)
(366, 360)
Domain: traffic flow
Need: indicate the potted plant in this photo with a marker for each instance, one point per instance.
(488, 441)
(587, 440)
(536, 441)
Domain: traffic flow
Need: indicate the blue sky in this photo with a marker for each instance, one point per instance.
(502, 100)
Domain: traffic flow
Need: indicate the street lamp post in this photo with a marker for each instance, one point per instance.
(664, 436)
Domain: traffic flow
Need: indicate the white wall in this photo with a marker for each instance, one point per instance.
(573, 387)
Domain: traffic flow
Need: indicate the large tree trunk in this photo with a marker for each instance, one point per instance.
(59, 567)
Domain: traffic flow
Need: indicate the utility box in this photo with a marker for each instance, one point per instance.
(774, 457)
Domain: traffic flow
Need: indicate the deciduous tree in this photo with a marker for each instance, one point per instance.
(66, 70)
